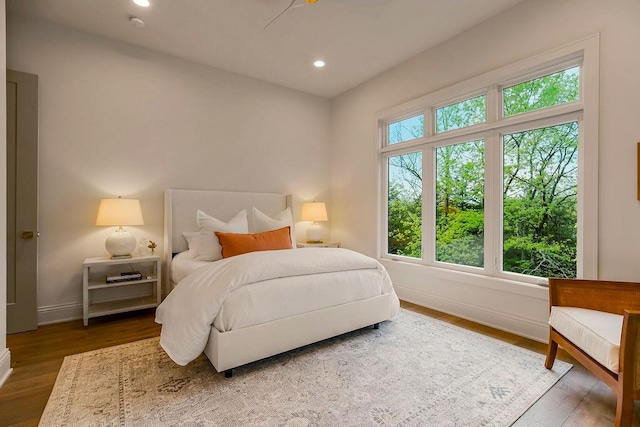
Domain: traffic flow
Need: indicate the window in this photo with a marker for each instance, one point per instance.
(547, 91)
(460, 203)
(406, 130)
(466, 113)
(405, 205)
(540, 198)
(504, 195)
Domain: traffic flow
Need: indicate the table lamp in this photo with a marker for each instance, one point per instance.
(315, 211)
(120, 212)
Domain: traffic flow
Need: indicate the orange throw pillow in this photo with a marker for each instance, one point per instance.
(237, 244)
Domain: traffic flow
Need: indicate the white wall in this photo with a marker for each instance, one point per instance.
(5, 357)
(120, 120)
(532, 27)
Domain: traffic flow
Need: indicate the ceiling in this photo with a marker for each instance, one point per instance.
(357, 39)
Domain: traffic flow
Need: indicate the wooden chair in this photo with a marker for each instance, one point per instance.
(619, 298)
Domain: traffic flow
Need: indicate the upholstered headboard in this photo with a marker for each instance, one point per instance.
(180, 208)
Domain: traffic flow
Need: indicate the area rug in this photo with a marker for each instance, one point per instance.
(413, 371)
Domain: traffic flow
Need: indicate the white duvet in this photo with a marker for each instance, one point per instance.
(189, 311)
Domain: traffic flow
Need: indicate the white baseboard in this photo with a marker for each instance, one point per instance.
(59, 313)
(527, 328)
(5, 365)
(537, 331)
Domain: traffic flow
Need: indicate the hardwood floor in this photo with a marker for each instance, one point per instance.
(579, 399)
(37, 356)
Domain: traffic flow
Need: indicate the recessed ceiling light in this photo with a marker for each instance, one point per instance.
(142, 3)
(319, 63)
(137, 22)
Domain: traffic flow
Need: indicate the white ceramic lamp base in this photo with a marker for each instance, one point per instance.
(120, 244)
(314, 233)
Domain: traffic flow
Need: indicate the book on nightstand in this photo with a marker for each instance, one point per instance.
(125, 277)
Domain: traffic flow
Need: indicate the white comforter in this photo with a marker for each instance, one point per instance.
(189, 310)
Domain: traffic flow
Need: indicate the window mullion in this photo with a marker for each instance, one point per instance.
(384, 214)
(428, 190)
(428, 205)
(493, 186)
(429, 122)
(492, 208)
(494, 103)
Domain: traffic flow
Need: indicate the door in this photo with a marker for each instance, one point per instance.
(22, 201)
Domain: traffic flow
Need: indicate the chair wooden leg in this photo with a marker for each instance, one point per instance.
(624, 411)
(552, 350)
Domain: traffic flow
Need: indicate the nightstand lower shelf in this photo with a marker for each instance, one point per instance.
(121, 306)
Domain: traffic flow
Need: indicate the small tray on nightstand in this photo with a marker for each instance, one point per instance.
(318, 245)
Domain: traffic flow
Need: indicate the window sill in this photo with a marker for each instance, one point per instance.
(495, 283)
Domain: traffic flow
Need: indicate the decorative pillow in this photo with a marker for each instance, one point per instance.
(210, 249)
(193, 240)
(238, 244)
(262, 222)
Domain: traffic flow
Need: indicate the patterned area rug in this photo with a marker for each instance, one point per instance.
(413, 371)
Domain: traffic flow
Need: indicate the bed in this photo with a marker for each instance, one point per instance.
(231, 343)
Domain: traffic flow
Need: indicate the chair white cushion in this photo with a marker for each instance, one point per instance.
(595, 332)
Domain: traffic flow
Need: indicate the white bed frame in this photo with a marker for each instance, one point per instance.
(227, 350)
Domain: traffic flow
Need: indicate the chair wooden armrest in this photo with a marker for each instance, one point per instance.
(622, 298)
(599, 295)
(629, 373)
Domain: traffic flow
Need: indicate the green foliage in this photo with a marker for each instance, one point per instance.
(405, 205)
(551, 253)
(460, 203)
(460, 238)
(539, 187)
(465, 113)
(543, 92)
(540, 201)
(405, 222)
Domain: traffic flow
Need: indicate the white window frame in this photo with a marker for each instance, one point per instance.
(585, 110)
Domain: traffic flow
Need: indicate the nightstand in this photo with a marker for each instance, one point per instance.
(100, 298)
(318, 245)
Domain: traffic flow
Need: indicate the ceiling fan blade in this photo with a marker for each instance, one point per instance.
(305, 2)
(362, 2)
(280, 14)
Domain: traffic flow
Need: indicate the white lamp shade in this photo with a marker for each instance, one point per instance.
(119, 212)
(315, 211)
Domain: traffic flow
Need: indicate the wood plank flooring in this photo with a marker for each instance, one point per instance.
(37, 356)
(579, 399)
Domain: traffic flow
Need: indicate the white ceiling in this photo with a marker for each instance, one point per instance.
(358, 39)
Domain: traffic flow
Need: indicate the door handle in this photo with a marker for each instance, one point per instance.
(27, 235)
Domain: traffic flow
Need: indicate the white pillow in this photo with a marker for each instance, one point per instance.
(193, 240)
(263, 222)
(210, 249)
